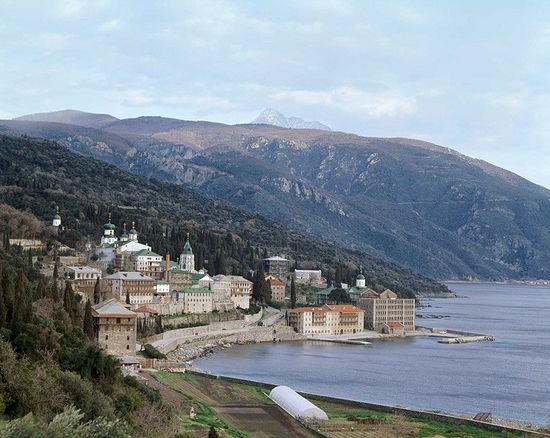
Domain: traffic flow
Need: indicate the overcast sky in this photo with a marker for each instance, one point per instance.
(471, 75)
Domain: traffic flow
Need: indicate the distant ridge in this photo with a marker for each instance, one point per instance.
(273, 117)
(71, 117)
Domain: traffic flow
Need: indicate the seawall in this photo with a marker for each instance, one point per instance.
(428, 415)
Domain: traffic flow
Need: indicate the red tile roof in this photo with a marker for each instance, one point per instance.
(342, 308)
(394, 324)
(145, 309)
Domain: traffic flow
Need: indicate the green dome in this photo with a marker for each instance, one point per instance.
(133, 231)
(109, 226)
(360, 277)
(57, 217)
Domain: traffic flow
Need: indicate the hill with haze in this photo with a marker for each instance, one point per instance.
(420, 205)
(38, 175)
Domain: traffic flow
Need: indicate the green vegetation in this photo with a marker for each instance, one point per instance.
(38, 176)
(53, 377)
(152, 352)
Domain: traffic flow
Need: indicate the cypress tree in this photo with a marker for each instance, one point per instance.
(292, 293)
(97, 292)
(9, 295)
(68, 299)
(88, 323)
(2, 306)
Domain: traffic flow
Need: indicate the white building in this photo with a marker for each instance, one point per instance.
(337, 319)
(386, 308)
(56, 222)
(360, 281)
(82, 273)
(146, 260)
(206, 281)
(162, 289)
(187, 259)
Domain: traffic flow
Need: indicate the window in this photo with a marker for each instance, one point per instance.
(106, 337)
(118, 320)
(127, 338)
(127, 347)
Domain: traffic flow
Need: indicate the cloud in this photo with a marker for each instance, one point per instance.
(351, 99)
(511, 101)
(110, 25)
(70, 8)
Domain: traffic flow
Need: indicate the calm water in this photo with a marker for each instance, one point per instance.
(509, 377)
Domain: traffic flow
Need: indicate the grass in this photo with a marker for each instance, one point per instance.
(205, 415)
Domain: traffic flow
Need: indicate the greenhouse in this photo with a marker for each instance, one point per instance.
(296, 405)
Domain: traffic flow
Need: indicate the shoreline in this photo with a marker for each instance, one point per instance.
(497, 423)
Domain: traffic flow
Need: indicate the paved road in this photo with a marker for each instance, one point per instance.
(270, 317)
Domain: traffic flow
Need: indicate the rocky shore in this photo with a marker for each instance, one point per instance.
(207, 344)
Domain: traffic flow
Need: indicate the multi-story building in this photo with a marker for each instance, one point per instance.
(278, 289)
(309, 276)
(196, 299)
(83, 279)
(140, 288)
(276, 266)
(148, 263)
(334, 319)
(384, 308)
(233, 287)
(115, 328)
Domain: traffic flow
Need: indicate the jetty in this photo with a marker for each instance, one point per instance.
(466, 339)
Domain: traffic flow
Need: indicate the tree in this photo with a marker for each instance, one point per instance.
(292, 293)
(68, 300)
(88, 323)
(339, 296)
(97, 292)
(260, 288)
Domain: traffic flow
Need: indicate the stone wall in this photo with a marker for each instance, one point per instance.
(204, 318)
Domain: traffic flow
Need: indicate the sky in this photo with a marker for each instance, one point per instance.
(470, 75)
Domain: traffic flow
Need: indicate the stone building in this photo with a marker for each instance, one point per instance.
(115, 328)
(83, 279)
(312, 277)
(276, 266)
(384, 308)
(334, 319)
(148, 263)
(196, 299)
(139, 287)
(237, 288)
(278, 289)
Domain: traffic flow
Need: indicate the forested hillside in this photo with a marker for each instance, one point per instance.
(37, 175)
(423, 206)
(51, 371)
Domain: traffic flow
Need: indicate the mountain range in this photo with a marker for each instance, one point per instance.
(36, 176)
(423, 206)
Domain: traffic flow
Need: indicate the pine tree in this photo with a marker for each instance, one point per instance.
(97, 292)
(88, 323)
(292, 294)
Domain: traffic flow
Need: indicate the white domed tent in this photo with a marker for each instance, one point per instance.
(296, 405)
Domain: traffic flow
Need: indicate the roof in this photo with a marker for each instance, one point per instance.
(326, 291)
(145, 309)
(146, 253)
(274, 281)
(296, 405)
(86, 269)
(122, 275)
(194, 290)
(162, 282)
(172, 264)
(187, 250)
(232, 278)
(111, 308)
(342, 308)
(369, 293)
(394, 324)
(360, 277)
(308, 271)
(276, 258)
(133, 231)
(109, 226)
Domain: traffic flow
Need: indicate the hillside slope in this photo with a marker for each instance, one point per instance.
(421, 205)
(36, 175)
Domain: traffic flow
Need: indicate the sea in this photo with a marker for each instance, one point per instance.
(509, 377)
